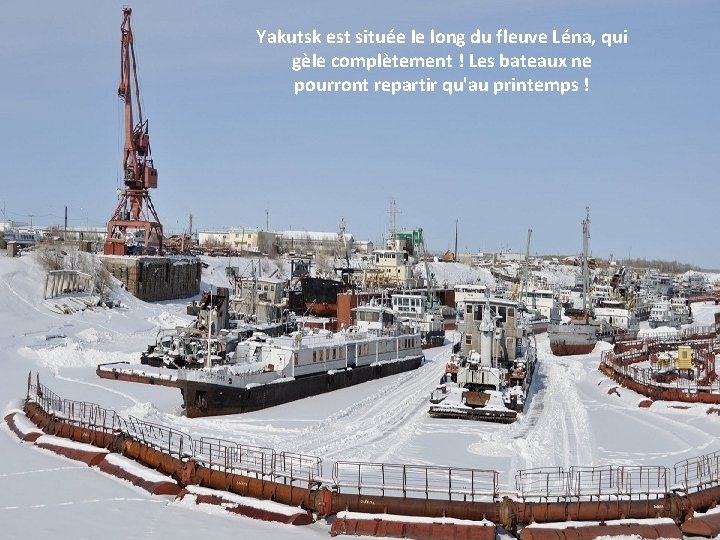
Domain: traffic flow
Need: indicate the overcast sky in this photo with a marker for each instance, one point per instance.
(231, 140)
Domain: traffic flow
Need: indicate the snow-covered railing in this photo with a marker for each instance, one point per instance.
(79, 413)
(233, 457)
(643, 481)
(592, 483)
(542, 482)
(167, 440)
(697, 473)
(258, 461)
(452, 483)
(289, 467)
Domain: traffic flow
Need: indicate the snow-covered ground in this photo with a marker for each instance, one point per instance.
(574, 418)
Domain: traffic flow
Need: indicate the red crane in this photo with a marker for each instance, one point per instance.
(134, 227)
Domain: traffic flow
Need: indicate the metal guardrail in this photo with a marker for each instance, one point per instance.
(233, 457)
(172, 442)
(542, 482)
(80, 413)
(592, 483)
(218, 454)
(415, 481)
(452, 483)
(697, 473)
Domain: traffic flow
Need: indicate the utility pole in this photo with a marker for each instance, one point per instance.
(65, 228)
(267, 220)
(455, 252)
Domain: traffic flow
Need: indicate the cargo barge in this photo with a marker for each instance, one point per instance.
(272, 371)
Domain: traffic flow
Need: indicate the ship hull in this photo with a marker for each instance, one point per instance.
(562, 348)
(208, 399)
(568, 339)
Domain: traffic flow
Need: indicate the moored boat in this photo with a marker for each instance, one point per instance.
(490, 379)
(580, 334)
(287, 368)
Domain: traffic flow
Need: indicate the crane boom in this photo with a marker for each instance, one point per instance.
(134, 223)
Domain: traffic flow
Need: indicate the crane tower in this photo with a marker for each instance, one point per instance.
(134, 227)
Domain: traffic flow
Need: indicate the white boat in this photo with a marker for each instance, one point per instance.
(617, 314)
(422, 312)
(682, 310)
(270, 371)
(662, 314)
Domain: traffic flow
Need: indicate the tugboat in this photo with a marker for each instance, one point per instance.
(490, 384)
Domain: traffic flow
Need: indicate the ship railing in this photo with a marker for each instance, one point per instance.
(163, 438)
(356, 336)
(451, 483)
(697, 473)
(80, 413)
(293, 468)
(232, 457)
(543, 483)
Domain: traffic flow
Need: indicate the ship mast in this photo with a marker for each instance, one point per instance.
(586, 237)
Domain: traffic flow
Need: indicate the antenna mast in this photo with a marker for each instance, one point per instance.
(586, 237)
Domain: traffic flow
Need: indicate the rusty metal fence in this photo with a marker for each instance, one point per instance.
(451, 483)
(545, 484)
(218, 454)
(80, 413)
(592, 483)
(698, 473)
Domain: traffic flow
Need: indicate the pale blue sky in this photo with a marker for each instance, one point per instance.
(230, 139)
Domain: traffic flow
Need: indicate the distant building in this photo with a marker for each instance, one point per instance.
(243, 239)
(315, 243)
(300, 243)
(364, 247)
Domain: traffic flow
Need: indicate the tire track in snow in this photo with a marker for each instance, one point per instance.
(363, 430)
(391, 413)
(554, 431)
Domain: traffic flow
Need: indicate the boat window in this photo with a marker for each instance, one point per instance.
(334, 353)
(468, 339)
(502, 312)
(468, 308)
(511, 312)
(314, 356)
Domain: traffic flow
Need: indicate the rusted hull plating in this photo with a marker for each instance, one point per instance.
(561, 348)
(393, 527)
(118, 374)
